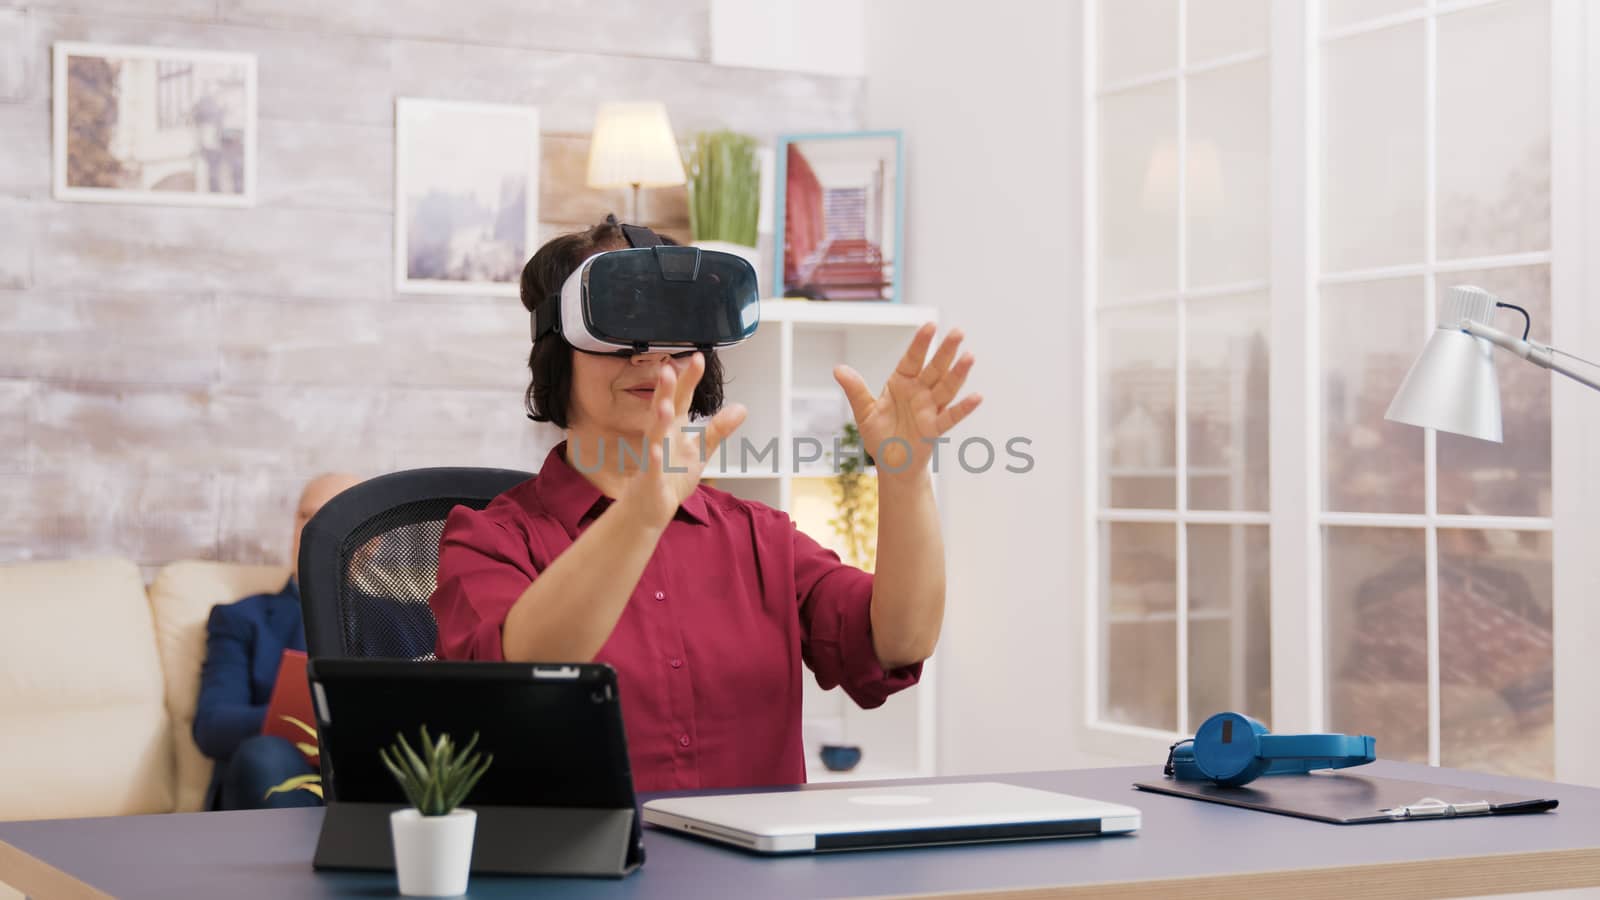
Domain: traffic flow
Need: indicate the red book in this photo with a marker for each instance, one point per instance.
(291, 704)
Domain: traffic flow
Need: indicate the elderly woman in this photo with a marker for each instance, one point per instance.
(705, 604)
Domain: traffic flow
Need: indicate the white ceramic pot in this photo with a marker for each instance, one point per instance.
(432, 854)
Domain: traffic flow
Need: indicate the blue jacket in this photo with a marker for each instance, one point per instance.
(244, 644)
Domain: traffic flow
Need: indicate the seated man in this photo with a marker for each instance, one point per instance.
(244, 645)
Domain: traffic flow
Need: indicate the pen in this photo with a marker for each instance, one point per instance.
(1432, 807)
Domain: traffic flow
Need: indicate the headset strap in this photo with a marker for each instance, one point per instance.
(547, 316)
(640, 236)
(1328, 751)
(1180, 762)
(1309, 752)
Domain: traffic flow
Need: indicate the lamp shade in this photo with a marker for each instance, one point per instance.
(1453, 386)
(633, 145)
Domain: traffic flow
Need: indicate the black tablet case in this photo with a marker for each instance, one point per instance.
(558, 798)
(1345, 798)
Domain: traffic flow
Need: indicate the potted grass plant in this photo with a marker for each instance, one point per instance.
(433, 838)
(724, 173)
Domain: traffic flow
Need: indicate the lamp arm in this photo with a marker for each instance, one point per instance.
(1541, 355)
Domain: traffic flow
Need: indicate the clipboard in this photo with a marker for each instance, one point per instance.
(1342, 798)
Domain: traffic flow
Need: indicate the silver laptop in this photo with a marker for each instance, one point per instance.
(893, 816)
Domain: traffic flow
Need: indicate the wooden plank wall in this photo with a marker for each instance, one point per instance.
(170, 376)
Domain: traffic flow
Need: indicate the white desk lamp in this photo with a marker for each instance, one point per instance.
(633, 146)
(1452, 386)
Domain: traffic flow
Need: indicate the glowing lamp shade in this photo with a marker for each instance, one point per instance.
(633, 146)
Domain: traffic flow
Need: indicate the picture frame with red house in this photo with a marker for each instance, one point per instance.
(839, 220)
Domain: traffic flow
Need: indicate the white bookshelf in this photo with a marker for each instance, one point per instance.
(784, 377)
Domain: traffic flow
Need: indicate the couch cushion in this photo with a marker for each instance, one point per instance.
(86, 728)
(181, 597)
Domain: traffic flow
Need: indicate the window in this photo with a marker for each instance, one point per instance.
(1435, 171)
(1181, 318)
(1428, 592)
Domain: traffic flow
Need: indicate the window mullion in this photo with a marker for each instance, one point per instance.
(1295, 457)
(1181, 463)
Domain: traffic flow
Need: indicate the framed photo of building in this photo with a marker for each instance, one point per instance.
(154, 125)
(839, 223)
(466, 196)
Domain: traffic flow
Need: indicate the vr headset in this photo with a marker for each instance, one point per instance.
(1232, 749)
(653, 298)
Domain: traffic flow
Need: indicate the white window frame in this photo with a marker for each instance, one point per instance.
(1296, 516)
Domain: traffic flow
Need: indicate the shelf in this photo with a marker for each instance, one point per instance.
(735, 475)
(784, 377)
(861, 773)
(825, 472)
(846, 312)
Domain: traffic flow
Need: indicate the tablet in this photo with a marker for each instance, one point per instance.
(558, 793)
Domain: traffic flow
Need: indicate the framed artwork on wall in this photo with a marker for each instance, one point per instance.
(839, 223)
(466, 196)
(153, 125)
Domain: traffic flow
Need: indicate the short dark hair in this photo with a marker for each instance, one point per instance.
(549, 394)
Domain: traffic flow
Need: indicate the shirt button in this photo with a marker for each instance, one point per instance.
(683, 740)
(661, 595)
(677, 663)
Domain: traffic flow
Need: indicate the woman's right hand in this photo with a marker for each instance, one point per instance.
(669, 476)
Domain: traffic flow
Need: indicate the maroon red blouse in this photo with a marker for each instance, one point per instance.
(709, 647)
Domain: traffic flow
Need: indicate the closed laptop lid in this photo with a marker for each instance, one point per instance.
(890, 808)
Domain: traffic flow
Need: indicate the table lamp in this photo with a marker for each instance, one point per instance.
(1452, 386)
(633, 147)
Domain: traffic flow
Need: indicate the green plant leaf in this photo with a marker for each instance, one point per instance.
(312, 783)
(438, 780)
(300, 725)
(407, 783)
(468, 781)
(418, 768)
(724, 187)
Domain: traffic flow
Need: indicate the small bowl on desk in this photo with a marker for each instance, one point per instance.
(840, 757)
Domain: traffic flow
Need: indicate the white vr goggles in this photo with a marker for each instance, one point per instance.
(653, 298)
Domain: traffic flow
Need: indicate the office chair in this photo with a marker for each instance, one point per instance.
(369, 557)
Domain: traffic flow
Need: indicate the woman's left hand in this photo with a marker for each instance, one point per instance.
(899, 426)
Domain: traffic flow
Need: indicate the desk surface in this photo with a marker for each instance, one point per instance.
(1188, 847)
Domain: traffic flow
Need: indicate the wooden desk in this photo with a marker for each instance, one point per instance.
(1185, 848)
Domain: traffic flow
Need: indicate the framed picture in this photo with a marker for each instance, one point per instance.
(466, 196)
(840, 215)
(154, 125)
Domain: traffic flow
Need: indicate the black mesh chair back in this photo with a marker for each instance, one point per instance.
(369, 557)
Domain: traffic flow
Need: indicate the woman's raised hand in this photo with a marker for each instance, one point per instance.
(677, 451)
(917, 406)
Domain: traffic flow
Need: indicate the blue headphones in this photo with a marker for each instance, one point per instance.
(1232, 749)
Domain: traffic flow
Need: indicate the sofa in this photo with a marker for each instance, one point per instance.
(98, 680)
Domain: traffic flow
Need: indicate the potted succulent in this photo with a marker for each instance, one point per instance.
(433, 838)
